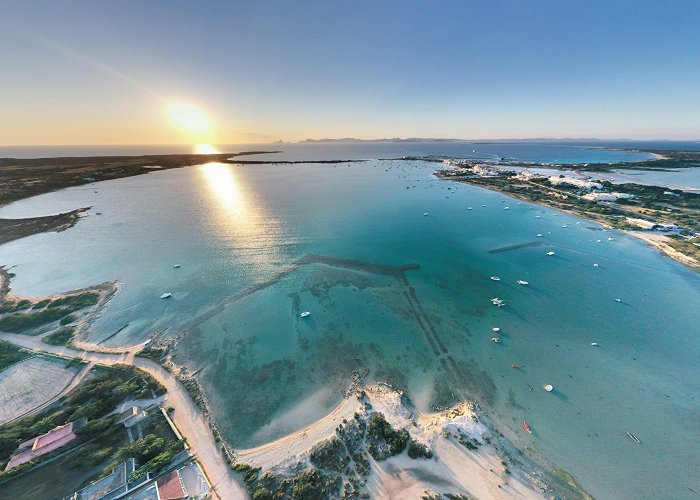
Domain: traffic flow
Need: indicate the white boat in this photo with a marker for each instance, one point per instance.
(166, 295)
(618, 300)
(497, 302)
(563, 225)
(539, 235)
(594, 344)
(522, 282)
(495, 339)
(537, 216)
(425, 214)
(595, 265)
(483, 205)
(506, 208)
(495, 278)
(610, 239)
(549, 254)
(496, 329)
(598, 241)
(469, 208)
(549, 388)
(305, 314)
(176, 266)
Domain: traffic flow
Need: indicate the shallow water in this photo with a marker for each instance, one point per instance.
(428, 330)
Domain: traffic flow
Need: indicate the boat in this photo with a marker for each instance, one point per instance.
(522, 282)
(495, 329)
(633, 437)
(549, 254)
(98, 213)
(539, 235)
(305, 314)
(166, 295)
(594, 344)
(595, 265)
(618, 300)
(425, 214)
(610, 239)
(495, 278)
(469, 208)
(563, 225)
(526, 426)
(515, 366)
(506, 208)
(537, 216)
(495, 339)
(497, 302)
(176, 266)
(549, 388)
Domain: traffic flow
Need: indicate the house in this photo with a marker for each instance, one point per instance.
(46, 443)
(131, 416)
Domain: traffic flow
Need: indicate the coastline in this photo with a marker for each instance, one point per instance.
(467, 455)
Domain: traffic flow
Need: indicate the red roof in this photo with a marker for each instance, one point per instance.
(170, 487)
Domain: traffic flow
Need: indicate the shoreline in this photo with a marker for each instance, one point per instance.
(468, 455)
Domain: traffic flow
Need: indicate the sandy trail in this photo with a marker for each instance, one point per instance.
(188, 418)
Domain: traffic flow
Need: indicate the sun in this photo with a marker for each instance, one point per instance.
(188, 117)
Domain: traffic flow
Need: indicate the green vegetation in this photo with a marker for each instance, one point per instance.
(76, 302)
(9, 354)
(93, 399)
(306, 485)
(418, 450)
(21, 316)
(154, 451)
(67, 319)
(330, 455)
(383, 441)
(20, 322)
(154, 354)
(249, 473)
(61, 337)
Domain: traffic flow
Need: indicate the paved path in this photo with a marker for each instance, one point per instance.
(187, 416)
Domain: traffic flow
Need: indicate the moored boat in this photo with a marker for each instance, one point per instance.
(526, 426)
(633, 437)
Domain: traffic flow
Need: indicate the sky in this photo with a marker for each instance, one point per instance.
(86, 72)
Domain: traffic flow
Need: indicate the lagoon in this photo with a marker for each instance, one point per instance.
(427, 329)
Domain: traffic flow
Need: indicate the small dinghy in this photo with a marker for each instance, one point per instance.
(305, 314)
(495, 278)
(526, 426)
(549, 254)
(549, 388)
(496, 329)
(166, 295)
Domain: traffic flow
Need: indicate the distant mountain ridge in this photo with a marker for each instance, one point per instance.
(429, 139)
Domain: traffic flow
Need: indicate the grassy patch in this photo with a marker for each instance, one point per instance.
(61, 337)
(9, 354)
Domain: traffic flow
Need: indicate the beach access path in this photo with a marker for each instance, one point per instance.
(188, 418)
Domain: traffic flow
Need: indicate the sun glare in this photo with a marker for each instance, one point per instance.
(188, 117)
(205, 149)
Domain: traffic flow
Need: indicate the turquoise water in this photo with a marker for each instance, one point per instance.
(428, 329)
